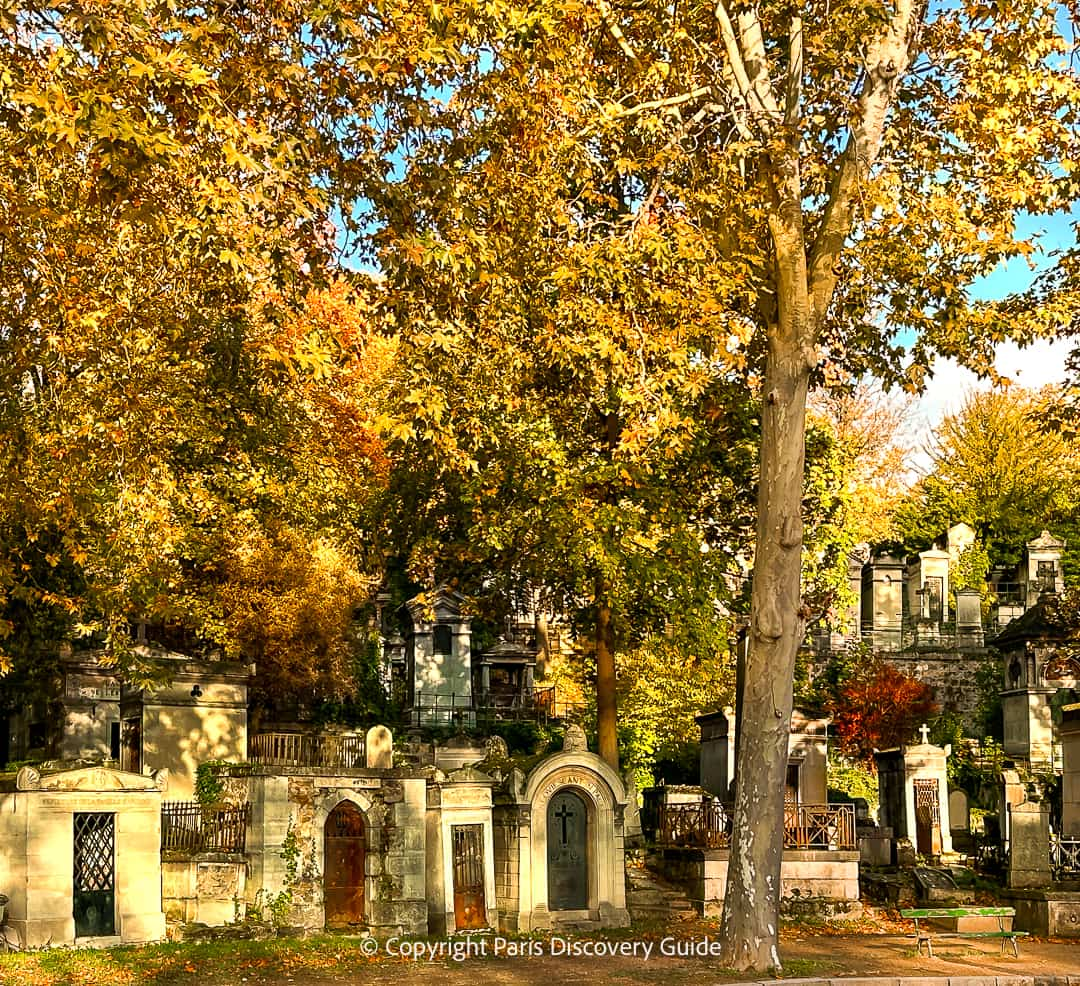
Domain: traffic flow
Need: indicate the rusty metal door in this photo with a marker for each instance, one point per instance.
(567, 856)
(469, 906)
(927, 817)
(344, 859)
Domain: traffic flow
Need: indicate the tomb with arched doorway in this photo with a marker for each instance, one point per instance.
(559, 842)
(1039, 678)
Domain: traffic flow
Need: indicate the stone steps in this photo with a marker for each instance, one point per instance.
(651, 899)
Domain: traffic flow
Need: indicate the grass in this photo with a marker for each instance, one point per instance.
(322, 958)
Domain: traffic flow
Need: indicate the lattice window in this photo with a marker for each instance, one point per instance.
(926, 799)
(94, 850)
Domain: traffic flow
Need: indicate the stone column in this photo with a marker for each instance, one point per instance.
(1029, 845)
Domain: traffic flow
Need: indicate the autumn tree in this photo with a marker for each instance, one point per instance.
(820, 185)
(879, 708)
(849, 172)
(995, 465)
(188, 388)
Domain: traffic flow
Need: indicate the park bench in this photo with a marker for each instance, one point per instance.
(929, 935)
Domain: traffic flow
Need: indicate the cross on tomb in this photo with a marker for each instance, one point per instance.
(924, 732)
(562, 813)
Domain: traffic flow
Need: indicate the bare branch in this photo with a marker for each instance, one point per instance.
(616, 32)
(885, 63)
(659, 104)
(793, 96)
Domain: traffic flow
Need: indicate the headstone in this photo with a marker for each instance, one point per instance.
(882, 602)
(379, 746)
(497, 748)
(905, 853)
(574, 740)
(1029, 845)
(1013, 793)
(969, 630)
(938, 886)
(959, 815)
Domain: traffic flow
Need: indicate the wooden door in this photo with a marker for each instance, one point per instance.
(567, 852)
(468, 849)
(345, 853)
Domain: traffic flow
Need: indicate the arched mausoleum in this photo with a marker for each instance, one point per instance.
(559, 843)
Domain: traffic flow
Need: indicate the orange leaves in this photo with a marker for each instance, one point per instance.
(880, 709)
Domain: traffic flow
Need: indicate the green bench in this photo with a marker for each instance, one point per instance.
(927, 935)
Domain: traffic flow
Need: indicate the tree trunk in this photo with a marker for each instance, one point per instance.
(752, 898)
(606, 708)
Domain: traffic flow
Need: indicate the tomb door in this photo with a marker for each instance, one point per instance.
(345, 854)
(567, 852)
(94, 885)
(468, 850)
(935, 602)
(131, 746)
(927, 817)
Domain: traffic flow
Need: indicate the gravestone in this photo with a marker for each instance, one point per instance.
(937, 886)
(379, 748)
(1029, 845)
(1013, 793)
(959, 813)
(969, 629)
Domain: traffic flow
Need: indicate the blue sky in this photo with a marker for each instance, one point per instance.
(1039, 364)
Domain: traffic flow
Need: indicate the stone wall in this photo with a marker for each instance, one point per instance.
(208, 888)
(508, 821)
(288, 818)
(951, 673)
(702, 873)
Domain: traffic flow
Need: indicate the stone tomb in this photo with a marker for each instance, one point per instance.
(199, 714)
(1034, 674)
(460, 851)
(80, 857)
(914, 792)
(349, 843)
(559, 843)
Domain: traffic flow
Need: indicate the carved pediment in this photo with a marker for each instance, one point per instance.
(1061, 667)
(89, 779)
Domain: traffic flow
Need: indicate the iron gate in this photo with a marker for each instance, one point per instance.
(927, 817)
(94, 889)
(469, 910)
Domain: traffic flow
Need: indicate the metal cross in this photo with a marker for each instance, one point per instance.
(563, 813)
(924, 731)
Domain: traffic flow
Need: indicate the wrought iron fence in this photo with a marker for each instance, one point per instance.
(708, 826)
(696, 826)
(1064, 857)
(187, 826)
(482, 709)
(307, 750)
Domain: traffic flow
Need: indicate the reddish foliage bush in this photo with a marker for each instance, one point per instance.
(879, 709)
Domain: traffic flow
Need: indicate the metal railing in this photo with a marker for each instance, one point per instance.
(307, 750)
(1064, 857)
(708, 826)
(189, 827)
(480, 709)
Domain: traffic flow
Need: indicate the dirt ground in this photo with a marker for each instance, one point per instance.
(863, 950)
